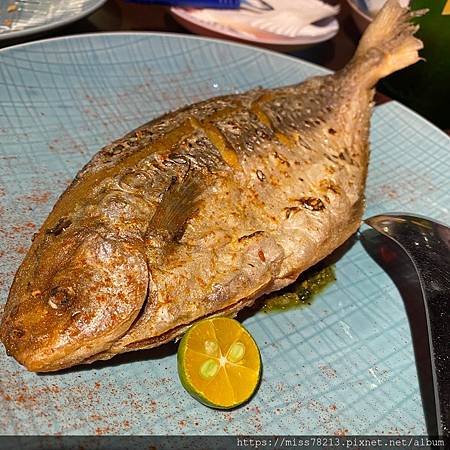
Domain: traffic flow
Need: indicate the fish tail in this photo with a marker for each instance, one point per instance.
(388, 44)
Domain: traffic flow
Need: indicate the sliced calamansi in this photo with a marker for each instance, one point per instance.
(219, 363)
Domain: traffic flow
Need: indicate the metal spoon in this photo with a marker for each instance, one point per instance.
(427, 244)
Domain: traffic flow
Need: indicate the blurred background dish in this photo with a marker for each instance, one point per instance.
(23, 17)
(360, 14)
(290, 26)
(363, 11)
(424, 87)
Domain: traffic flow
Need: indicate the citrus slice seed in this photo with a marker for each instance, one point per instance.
(236, 352)
(209, 368)
(211, 347)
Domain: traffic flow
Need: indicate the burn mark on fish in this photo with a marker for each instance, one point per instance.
(261, 256)
(329, 185)
(332, 131)
(311, 203)
(61, 226)
(251, 235)
(260, 175)
(344, 155)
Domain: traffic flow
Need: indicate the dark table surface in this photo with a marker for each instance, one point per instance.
(118, 15)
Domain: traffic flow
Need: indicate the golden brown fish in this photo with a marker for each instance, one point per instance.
(201, 211)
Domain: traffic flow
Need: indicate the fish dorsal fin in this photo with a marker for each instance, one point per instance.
(178, 204)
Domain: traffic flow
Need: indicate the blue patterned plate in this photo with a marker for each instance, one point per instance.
(343, 365)
(22, 17)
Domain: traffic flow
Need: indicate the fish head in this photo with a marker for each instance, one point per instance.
(75, 293)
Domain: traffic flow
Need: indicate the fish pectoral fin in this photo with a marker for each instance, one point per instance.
(179, 202)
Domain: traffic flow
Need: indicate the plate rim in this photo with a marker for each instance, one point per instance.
(4, 36)
(165, 34)
(181, 36)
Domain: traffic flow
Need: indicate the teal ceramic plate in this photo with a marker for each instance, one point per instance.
(21, 17)
(343, 365)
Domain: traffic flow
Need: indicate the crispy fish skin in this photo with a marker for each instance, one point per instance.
(201, 211)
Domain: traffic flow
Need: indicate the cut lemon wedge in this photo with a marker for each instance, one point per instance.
(219, 363)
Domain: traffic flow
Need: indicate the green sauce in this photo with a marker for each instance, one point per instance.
(301, 292)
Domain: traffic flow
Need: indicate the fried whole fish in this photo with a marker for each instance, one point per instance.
(202, 211)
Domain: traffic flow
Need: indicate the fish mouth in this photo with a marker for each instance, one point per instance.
(54, 356)
(52, 342)
(55, 342)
